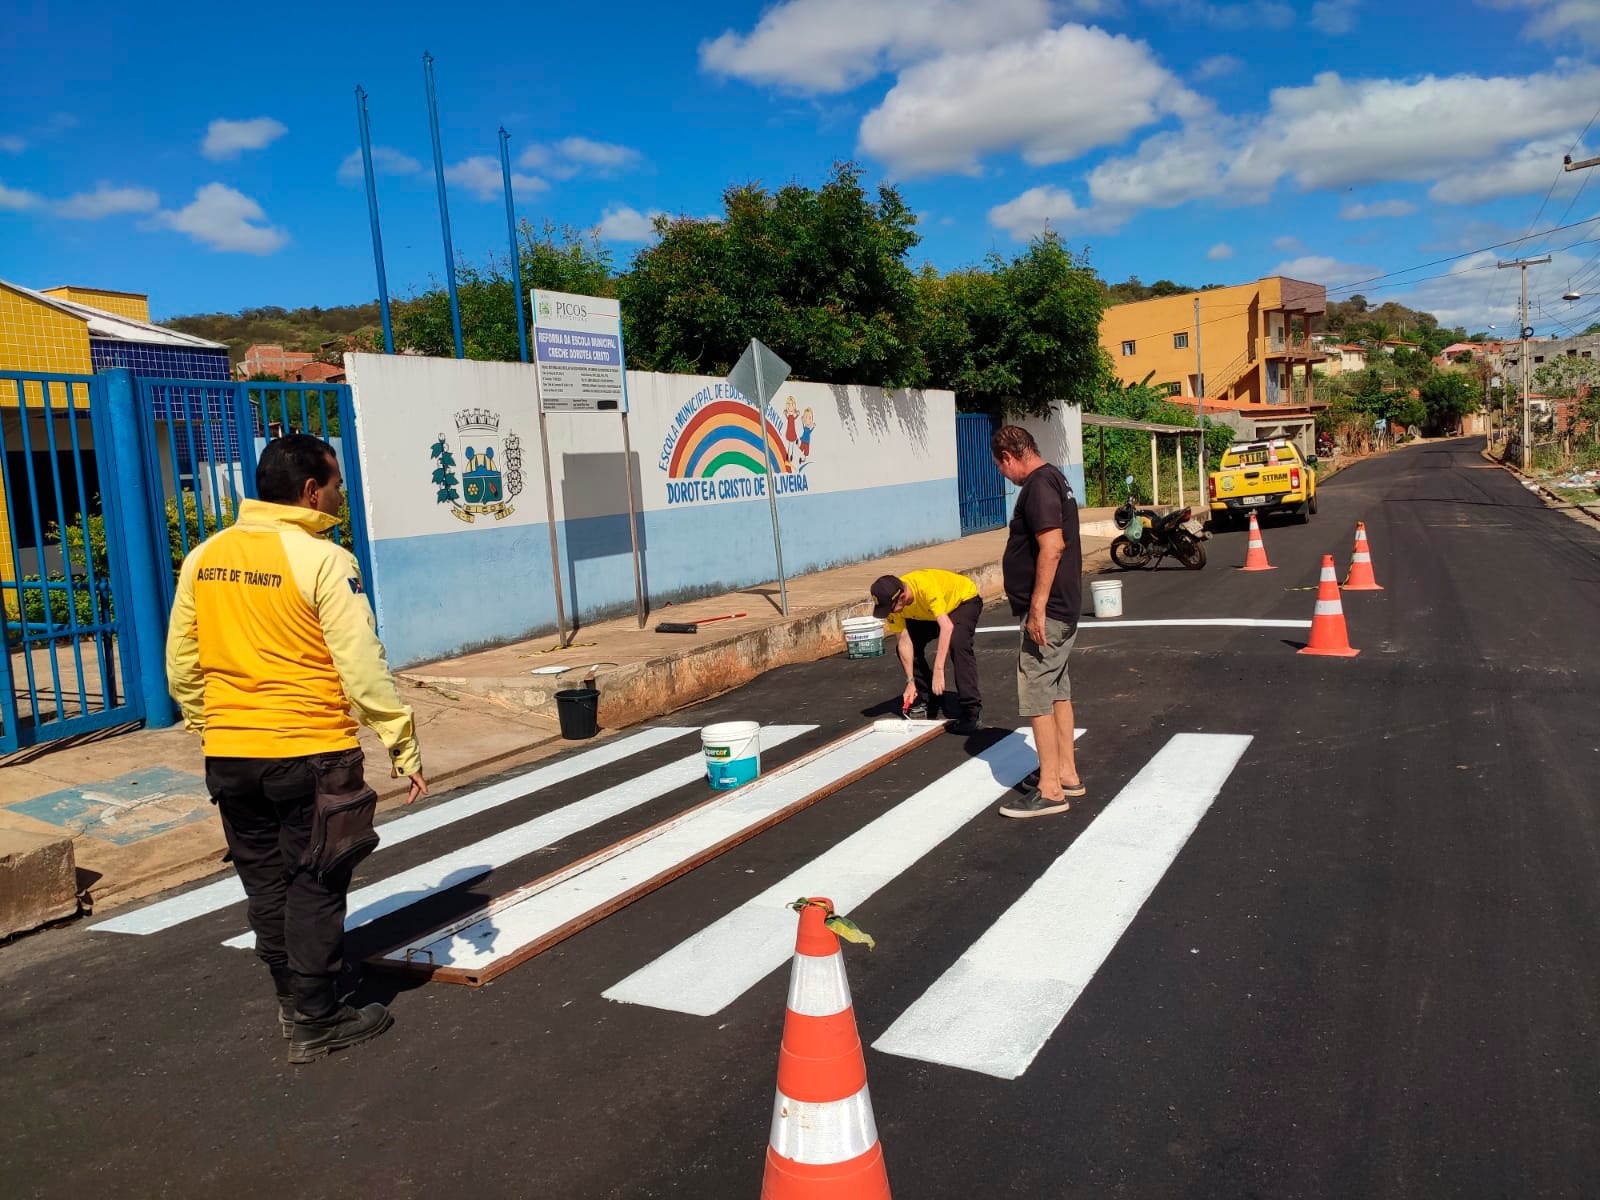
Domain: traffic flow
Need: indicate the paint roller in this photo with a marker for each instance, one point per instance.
(693, 626)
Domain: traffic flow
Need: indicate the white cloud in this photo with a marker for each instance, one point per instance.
(1377, 209)
(385, 161)
(1169, 170)
(1530, 169)
(228, 139)
(1220, 252)
(577, 155)
(1557, 20)
(481, 176)
(1042, 208)
(15, 200)
(1334, 133)
(1319, 268)
(1334, 16)
(624, 224)
(1288, 244)
(833, 45)
(1217, 66)
(606, 156)
(1052, 97)
(1238, 18)
(12, 144)
(107, 201)
(224, 219)
(1337, 132)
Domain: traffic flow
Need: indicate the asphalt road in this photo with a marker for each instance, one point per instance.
(1369, 971)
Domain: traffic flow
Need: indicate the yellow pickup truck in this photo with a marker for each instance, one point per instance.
(1263, 477)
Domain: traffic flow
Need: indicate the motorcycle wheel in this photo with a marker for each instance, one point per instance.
(1188, 551)
(1130, 556)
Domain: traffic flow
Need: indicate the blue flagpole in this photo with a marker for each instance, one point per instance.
(516, 257)
(372, 215)
(444, 207)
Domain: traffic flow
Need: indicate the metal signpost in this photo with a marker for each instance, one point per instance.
(760, 373)
(577, 354)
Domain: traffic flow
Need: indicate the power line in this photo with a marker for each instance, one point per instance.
(1346, 287)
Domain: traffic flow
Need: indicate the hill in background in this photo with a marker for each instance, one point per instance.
(291, 328)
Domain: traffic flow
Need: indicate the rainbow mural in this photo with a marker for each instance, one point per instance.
(725, 433)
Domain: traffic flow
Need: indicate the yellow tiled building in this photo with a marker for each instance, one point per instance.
(77, 331)
(1255, 340)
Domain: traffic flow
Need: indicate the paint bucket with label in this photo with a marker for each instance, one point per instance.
(733, 753)
(1107, 595)
(863, 637)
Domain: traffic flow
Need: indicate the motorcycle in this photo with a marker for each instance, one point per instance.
(1148, 536)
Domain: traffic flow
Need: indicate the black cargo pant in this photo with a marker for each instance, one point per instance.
(969, 697)
(267, 806)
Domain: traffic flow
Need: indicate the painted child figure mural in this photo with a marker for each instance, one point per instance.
(807, 424)
(791, 432)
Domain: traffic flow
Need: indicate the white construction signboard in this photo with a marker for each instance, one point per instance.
(577, 346)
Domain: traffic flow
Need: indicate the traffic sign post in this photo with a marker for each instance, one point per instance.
(760, 373)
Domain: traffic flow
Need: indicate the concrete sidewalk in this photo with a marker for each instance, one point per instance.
(135, 804)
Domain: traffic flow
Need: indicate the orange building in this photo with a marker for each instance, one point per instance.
(1255, 341)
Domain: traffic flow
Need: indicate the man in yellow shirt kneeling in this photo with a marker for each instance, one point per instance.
(942, 607)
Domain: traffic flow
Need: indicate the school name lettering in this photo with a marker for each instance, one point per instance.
(715, 391)
(736, 487)
(556, 345)
(234, 575)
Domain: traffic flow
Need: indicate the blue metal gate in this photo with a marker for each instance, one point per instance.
(70, 652)
(203, 439)
(108, 481)
(981, 487)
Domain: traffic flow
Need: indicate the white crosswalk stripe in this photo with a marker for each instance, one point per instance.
(713, 968)
(214, 896)
(470, 862)
(992, 1011)
(996, 1007)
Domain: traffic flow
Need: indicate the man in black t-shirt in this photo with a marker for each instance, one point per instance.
(1043, 569)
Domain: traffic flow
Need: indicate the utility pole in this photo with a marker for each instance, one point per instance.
(1200, 415)
(1527, 332)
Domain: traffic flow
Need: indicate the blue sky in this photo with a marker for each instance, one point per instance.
(200, 154)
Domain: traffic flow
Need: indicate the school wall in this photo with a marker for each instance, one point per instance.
(877, 475)
(1060, 440)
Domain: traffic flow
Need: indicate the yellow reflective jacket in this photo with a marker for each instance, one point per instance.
(272, 641)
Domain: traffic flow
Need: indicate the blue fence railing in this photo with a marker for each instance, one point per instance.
(62, 576)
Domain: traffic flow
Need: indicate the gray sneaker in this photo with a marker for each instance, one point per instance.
(1034, 804)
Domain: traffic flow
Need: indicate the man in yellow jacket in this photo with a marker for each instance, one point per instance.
(271, 644)
(939, 607)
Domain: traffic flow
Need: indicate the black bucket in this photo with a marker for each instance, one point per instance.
(579, 711)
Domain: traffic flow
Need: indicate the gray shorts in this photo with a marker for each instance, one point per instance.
(1042, 677)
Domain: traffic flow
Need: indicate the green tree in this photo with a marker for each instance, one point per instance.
(1569, 377)
(1448, 396)
(1018, 336)
(559, 259)
(818, 274)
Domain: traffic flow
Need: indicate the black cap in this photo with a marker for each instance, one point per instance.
(885, 591)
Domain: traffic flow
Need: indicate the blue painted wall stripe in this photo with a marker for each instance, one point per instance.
(445, 593)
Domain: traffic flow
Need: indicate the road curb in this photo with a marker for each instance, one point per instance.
(1561, 503)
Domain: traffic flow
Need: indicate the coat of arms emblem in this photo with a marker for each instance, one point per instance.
(489, 479)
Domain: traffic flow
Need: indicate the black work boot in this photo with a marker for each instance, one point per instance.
(966, 724)
(283, 984)
(322, 1024)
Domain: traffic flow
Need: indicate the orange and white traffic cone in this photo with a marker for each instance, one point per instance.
(1361, 578)
(1328, 634)
(1255, 558)
(824, 1141)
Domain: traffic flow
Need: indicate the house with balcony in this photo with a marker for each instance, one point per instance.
(1256, 342)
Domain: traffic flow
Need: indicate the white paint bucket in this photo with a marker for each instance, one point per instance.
(863, 637)
(1107, 595)
(733, 753)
